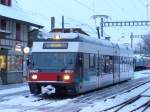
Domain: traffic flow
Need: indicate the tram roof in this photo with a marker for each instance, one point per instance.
(45, 37)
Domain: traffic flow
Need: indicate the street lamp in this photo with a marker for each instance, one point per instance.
(21, 48)
(26, 50)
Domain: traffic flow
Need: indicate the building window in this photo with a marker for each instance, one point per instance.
(18, 31)
(14, 63)
(3, 23)
(6, 2)
(2, 62)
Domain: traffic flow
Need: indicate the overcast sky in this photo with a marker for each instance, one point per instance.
(78, 13)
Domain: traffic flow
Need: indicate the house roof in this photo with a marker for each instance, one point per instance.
(68, 30)
(18, 14)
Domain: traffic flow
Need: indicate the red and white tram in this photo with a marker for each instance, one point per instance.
(75, 63)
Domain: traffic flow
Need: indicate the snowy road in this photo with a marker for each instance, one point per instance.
(18, 100)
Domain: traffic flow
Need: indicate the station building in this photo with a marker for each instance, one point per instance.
(15, 25)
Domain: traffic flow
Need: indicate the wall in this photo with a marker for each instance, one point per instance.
(14, 59)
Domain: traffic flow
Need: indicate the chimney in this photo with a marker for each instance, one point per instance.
(63, 28)
(52, 23)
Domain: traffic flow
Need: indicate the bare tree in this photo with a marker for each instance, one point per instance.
(146, 45)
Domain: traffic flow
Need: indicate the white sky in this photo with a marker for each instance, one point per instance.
(78, 13)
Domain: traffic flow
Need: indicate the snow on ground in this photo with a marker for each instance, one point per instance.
(33, 101)
(109, 102)
(9, 110)
(140, 74)
(13, 90)
(19, 102)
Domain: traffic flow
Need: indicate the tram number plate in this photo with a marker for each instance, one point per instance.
(55, 45)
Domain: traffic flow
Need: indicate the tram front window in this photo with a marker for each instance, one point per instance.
(53, 61)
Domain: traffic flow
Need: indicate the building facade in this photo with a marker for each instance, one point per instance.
(14, 28)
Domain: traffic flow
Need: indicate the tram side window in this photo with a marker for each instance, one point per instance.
(128, 63)
(111, 63)
(96, 62)
(121, 62)
(86, 63)
(92, 61)
(131, 62)
(102, 64)
(89, 65)
(124, 64)
(108, 64)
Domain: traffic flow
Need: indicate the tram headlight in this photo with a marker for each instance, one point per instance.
(66, 77)
(34, 77)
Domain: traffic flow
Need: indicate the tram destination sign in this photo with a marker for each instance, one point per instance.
(56, 45)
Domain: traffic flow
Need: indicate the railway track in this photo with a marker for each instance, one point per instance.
(76, 104)
(130, 101)
(84, 100)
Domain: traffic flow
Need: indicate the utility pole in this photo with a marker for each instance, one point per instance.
(132, 36)
(121, 24)
(97, 28)
(147, 10)
(102, 20)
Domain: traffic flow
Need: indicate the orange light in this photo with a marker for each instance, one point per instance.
(56, 37)
(34, 77)
(66, 77)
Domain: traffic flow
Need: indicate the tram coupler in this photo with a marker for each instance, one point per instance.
(48, 89)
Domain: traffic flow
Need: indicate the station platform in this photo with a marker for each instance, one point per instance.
(10, 86)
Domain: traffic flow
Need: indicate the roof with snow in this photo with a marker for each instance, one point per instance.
(43, 36)
(16, 13)
(68, 30)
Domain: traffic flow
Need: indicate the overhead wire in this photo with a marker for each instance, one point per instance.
(85, 6)
(89, 8)
(83, 24)
(136, 5)
(140, 2)
(30, 11)
(119, 8)
(77, 21)
(112, 5)
(59, 12)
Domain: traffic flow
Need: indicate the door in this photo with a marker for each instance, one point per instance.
(90, 80)
(2, 69)
(79, 72)
(116, 70)
(99, 68)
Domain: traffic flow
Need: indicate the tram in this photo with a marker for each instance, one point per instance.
(74, 63)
